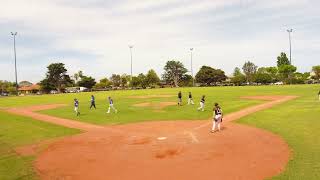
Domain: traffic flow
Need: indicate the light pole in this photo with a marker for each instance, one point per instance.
(191, 49)
(290, 31)
(15, 58)
(131, 46)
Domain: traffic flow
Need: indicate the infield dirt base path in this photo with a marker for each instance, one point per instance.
(167, 150)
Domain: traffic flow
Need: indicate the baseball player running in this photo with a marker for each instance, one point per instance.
(217, 117)
(190, 100)
(111, 106)
(202, 101)
(93, 102)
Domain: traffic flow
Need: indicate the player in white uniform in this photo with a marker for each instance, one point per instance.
(76, 107)
(111, 106)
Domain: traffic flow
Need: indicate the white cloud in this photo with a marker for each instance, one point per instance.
(93, 36)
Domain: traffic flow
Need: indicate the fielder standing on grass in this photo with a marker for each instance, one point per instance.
(76, 107)
(93, 102)
(190, 100)
(179, 98)
(202, 101)
(111, 106)
(319, 95)
(217, 117)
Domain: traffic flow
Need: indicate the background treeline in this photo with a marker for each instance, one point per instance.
(176, 75)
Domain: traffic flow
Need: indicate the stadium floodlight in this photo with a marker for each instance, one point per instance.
(131, 46)
(191, 49)
(290, 31)
(14, 34)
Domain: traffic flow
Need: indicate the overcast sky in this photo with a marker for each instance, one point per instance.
(94, 35)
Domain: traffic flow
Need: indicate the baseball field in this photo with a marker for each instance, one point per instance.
(269, 132)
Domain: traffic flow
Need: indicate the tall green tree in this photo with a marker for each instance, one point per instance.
(77, 76)
(115, 80)
(316, 72)
(46, 86)
(103, 83)
(56, 77)
(249, 69)
(143, 80)
(238, 78)
(87, 81)
(174, 71)
(186, 81)
(273, 72)
(124, 80)
(287, 73)
(208, 75)
(262, 76)
(282, 59)
(135, 82)
(152, 78)
(6, 86)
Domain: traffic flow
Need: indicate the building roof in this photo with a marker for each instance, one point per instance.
(30, 88)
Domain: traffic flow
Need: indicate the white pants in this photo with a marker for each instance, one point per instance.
(190, 101)
(76, 109)
(111, 106)
(201, 106)
(216, 122)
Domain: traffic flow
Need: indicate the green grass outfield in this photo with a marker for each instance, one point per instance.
(17, 131)
(297, 121)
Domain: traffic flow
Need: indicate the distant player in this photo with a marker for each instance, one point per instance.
(217, 117)
(190, 100)
(111, 105)
(319, 95)
(93, 102)
(76, 106)
(202, 101)
(179, 98)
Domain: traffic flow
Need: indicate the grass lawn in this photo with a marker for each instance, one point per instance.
(297, 121)
(17, 131)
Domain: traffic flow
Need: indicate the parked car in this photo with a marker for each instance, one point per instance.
(278, 83)
(4, 94)
(53, 92)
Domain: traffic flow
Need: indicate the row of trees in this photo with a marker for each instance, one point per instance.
(7, 87)
(175, 74)
(142, 80)
(284, 72)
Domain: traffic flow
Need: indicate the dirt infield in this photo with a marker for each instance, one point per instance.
(182, 150)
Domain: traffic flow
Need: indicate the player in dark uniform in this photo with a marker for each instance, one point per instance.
(93, 102)
(179, 98)
(190, 100)
(319, 95)
(217, 117)
(202, 101)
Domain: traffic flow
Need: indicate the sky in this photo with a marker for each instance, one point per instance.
(93, 36)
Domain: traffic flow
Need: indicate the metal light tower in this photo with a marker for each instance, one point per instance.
(15, 58)
(131, 46)
(191, 49)
(290, 31)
